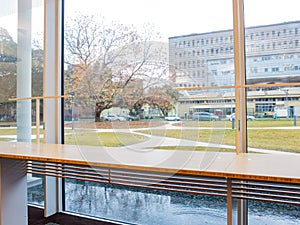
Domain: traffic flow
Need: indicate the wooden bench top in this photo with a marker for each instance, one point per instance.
(265, 167)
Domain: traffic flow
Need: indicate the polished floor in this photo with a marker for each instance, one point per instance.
(35, 217)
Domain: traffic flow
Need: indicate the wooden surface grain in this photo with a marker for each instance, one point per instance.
(265, 167)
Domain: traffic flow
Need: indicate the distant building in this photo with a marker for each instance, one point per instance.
(202, 60)
(206, 59)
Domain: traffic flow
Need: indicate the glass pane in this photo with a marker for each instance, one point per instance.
(276, 111)
(35, 191)
(209, 119)
(8, 70)
(272, 42)
(125, 71)
(136, 206)
(272, 213)
(272, 58)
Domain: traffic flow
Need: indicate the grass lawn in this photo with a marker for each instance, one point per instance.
(13, 131)
(195, 148)
(6, 123)
(5, 139)
(117, 124)
(284, 140)
(273, 139)
(8, 131)
(108, 139)
(256, 123)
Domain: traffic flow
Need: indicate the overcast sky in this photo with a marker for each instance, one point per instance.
(176, 17)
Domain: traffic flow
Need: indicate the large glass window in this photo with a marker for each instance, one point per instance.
(8, 69)
(154, 76)
(272, 77)
(147, 75)
(272, 56)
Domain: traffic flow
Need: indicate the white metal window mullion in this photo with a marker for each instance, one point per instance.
(52, 87)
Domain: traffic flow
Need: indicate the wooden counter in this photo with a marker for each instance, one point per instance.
(258, 177)
(266, 167)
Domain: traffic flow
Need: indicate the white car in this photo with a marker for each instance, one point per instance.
(113, 117)
(172, 118)
(232, 116)
(205, 116)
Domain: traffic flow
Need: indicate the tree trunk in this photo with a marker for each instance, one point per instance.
(99, 107)
(97, 116)
(97, 113)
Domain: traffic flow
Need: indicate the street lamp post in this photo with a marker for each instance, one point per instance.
(287, 103)
(72, 112)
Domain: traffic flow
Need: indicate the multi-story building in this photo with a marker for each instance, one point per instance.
(190, 55)
(199, 61)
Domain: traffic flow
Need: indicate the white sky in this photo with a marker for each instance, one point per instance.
(179, 17)
(176, 17)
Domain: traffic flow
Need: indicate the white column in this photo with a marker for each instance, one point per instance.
(13, 191)
(52, 87)
(24, 70)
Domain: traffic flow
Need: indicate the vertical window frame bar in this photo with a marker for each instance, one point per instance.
(240, 95)
(240, 76)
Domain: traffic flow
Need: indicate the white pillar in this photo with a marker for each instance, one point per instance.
(24, 70)
(52, 87)
(13, 191)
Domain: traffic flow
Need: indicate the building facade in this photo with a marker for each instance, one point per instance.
(202, 61)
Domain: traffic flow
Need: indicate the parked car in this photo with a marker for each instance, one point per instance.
(172, 118)
(113, 117)
(129, 117)
(232, 116)
(205, 116)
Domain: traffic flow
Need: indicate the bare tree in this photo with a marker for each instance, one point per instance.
(103, 58)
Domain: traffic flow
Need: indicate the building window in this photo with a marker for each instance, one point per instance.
(275, 69)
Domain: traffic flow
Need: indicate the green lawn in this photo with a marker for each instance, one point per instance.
(5, 123)
(5, 139)
(256, 123)
(195, 148)
(284, 140)
(13, 131)
(8, 131)
(273, 139)
(109, 139)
